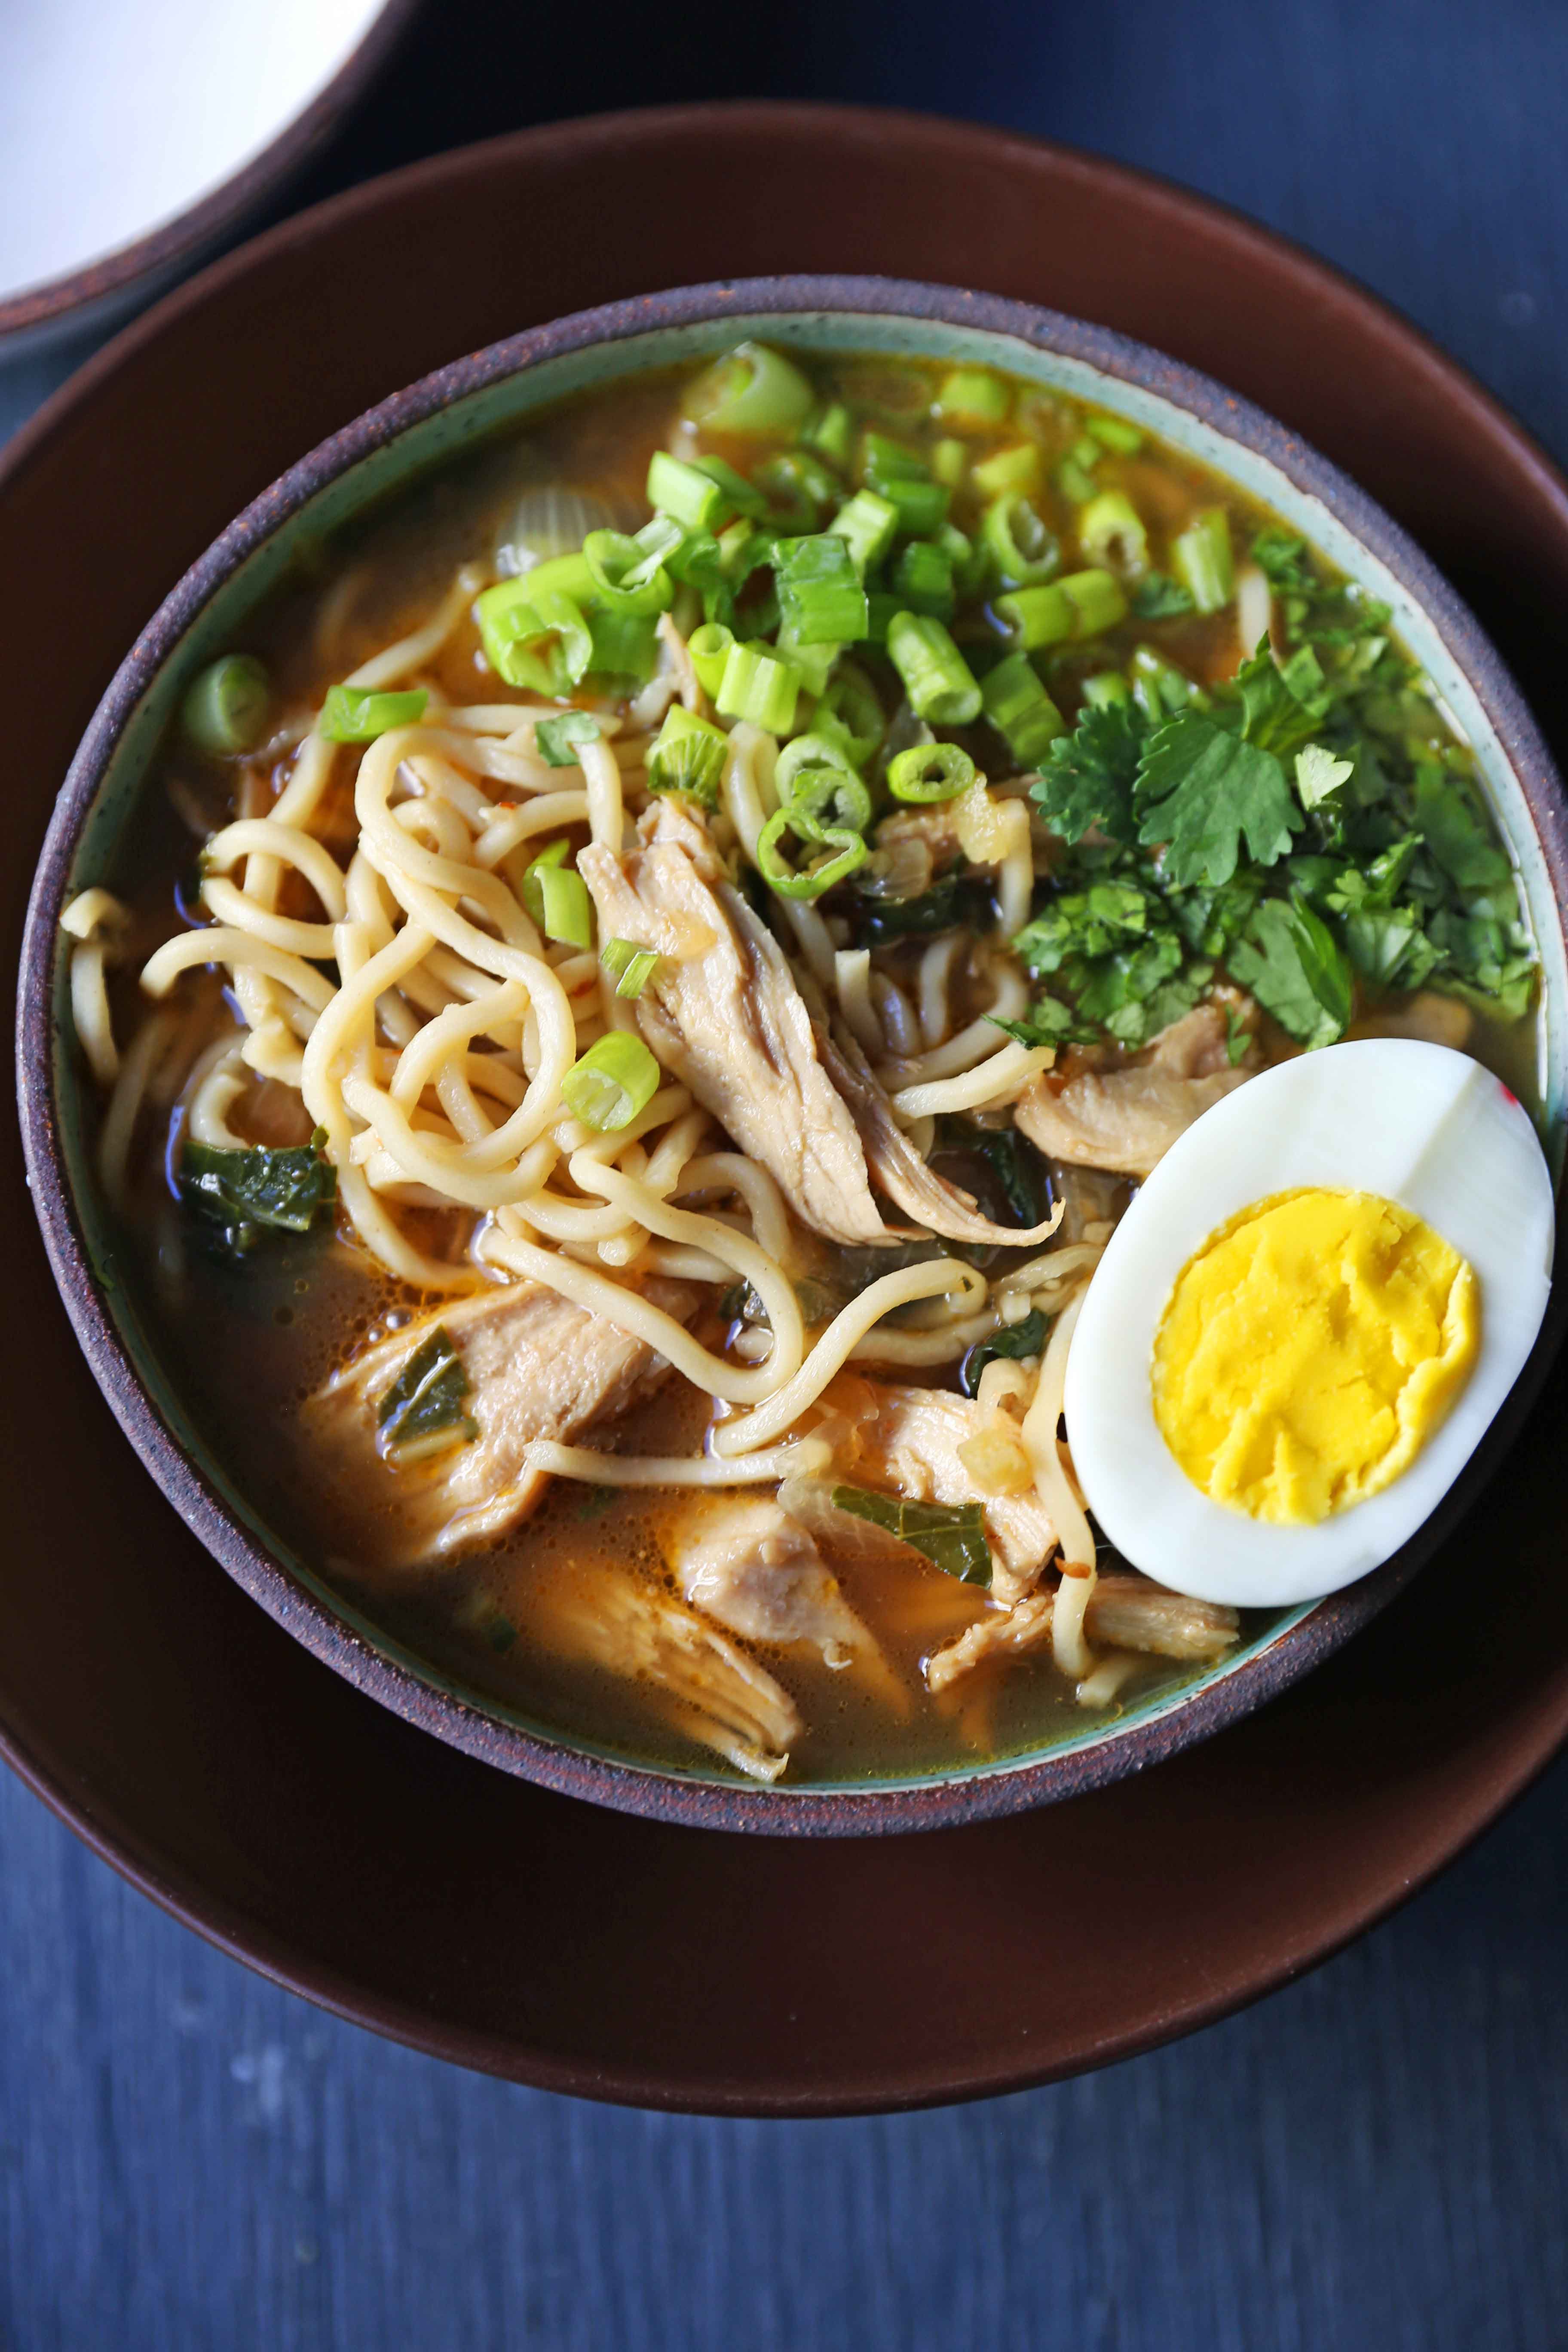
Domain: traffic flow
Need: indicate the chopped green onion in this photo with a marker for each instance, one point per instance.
(1020, 709)
(939, 682)
(557, 740)
(949, 462)
(625, 644)
(676, 488)
(1110, 526)
(849, 714)
(968, 561)
(1107, 689)
(1076, 485)
(710, 649)
(952, 1535)
(740, 495)
(811, 881)
(1203, 561)
(567, 575)
(630, 967)
(869, 524)
(758, 685)
(813, 775)
(554, 853)
(1086, 451)
(568, 914)
(974, 396)
(688, 756)
(880, 612)
(533, 633)
(921, 506)
(885, 460)
(225, 710)
(1016, 469)
(751, 391)
(629, 576)
(609, 1084)
(930, 771)
(351, 716)
(1115, 432)
(1080, 604)
(832, 434)
(812, 663)
(799, 489)
(922, 578)
(735, 559)
(422, 1412)
(1018, 543)
(821, 600)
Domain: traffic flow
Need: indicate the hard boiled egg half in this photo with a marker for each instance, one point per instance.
(1306, 1320)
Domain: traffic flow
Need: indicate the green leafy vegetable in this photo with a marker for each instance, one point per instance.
(250, 1191)
(1275, 721)
(951, 1535)
(1297, 969)
(1087, 777)
(1012, 1342)
(1319, 775)
(1202, 791)
(422, 1412)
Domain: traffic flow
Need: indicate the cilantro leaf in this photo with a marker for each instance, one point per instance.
(1297, 969)
(1200, 789)
(1049, 1022)
(1274, 719)
(1456, 832)
(1319, 775)
(1158, 597)
(1283, 558)
(1087, 776)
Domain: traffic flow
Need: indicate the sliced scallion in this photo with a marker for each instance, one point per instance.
(930, 771)
(849, 714)
(1203, 561)
(554, 854)
(1107, 689)
(688, 756)
(1014, 468)
(821, 600)
(973, 397)
(1115, 432)
(813, 775)
(629, 575)
(760, 687)
(832, 434)
(630, 967)
(351, 716)
(949, 462)
(225, 708)
(710, 649)
(1022, 550)
(939, 683)
(923, 579)
(568, 913)
(868, 524)
(676, 488)
(752, 391)
(1020, 709)
(811, 881)
(1110, 528)
(609, 1084)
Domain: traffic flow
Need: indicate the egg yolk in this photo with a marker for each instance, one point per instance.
(1309, 1350)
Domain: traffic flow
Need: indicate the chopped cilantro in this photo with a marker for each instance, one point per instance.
(1274, 718)
(1158, 597)
(556, 740)
(1319, 775)
(1201, 791)
(1087, 776)
(1297, 969)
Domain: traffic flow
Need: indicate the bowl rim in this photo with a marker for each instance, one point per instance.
(105, 282)
(1000, 1788)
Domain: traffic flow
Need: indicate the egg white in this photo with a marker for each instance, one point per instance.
(1418, 1124)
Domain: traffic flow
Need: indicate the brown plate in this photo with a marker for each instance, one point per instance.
(238, 1781)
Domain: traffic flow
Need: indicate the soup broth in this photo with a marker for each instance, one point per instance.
(755, 897)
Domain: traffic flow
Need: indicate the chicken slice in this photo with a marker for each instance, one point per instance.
(758, 1571)
(1127, 1119)
(910, 1447)
(1124, 1612)
(724, 1016)
(536, 1367)
(701, 1684)
(897, 1167)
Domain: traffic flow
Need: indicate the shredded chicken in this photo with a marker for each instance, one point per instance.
(934, 1204)
(536, 1367)
(1127, 1119)
(759, 1572)
(700, 1683)
(730, 1022)
(910, 1446)
(1125, 1612)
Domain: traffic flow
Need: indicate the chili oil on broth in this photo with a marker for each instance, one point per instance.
(301, 1306)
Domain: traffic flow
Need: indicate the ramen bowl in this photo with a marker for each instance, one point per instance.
(385, 452)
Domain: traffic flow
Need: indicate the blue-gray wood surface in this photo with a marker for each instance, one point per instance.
(1377, 2156)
